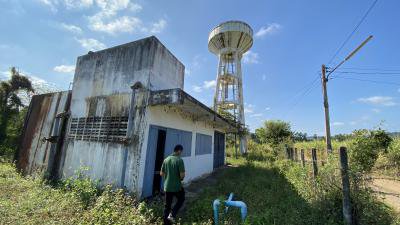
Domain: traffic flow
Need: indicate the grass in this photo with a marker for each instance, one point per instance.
(275, 193)
(29, 201)
(270, 198)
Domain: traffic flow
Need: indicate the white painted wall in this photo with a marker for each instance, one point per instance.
(195, 165)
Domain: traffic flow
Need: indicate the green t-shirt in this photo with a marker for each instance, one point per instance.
(172, 167)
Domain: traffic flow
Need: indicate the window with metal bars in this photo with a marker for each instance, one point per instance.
(99, 129)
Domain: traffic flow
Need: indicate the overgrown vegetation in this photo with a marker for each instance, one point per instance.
(277, 191)
(12, 111)
(28, 200)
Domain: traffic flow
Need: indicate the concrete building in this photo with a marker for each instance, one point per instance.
(125, 113)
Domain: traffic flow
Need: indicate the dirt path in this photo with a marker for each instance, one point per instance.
(388, 189)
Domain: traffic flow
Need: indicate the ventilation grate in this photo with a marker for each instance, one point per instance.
(99, 129)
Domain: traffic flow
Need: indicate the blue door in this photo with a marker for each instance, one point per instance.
(219, 149)
(150, 162)
(161, 143)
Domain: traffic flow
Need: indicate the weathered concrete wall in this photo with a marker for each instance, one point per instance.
(103, 88)
(164, 116)
(167, 71)
(111, 72)
(35, 153)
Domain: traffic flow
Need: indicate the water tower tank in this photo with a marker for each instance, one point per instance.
(230, 36)
(229, 41)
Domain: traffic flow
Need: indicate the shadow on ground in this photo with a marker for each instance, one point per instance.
(270, 198)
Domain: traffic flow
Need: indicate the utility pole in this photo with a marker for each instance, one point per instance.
(324, 79)
(326, 109)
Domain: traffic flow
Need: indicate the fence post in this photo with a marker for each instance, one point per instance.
(314, 162)
(292, 154)
(302, 158)
(287, 152)
(345, 186)
(296, 156)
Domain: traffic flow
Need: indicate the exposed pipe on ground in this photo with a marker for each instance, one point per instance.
(227, 203)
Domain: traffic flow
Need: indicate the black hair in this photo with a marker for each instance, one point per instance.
(178, 148)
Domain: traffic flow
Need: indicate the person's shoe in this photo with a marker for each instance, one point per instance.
(171, 218)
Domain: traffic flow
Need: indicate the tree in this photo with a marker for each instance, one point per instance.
(10, 102)
(366, 146)
(299, 136)
(274, 132)
(342, 137)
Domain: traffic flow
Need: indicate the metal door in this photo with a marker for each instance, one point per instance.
(219, 149)
(43, 133)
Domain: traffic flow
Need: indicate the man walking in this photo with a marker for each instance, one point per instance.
(173, 172)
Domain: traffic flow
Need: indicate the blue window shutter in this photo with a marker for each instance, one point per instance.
(150, 160)
(203, 144)
(175, 137)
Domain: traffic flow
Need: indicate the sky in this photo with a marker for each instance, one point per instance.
(292, 39)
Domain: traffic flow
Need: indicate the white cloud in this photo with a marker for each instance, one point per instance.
(378, 100)
(209, 84)
(187, 71)
(271, 28)
(337, 124)
(248, 108)
(108, 21)
(91, 44)
(111, 5)
(107, 18)
(250, 57)
(71, 4)
(376, 110)
(64, 68)
(71, 28)
(40, 85)
(361, 119)
(50, 3)
(197, 89)
(267, 108)
(256, 115)
(158, 26)
(118, 25)
(264, 77)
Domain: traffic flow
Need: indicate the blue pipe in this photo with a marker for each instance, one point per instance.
(216, 204)
(239, 204)
(229, 199)
(229, 202)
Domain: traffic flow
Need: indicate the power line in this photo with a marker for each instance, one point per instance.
(369, 73)
(354, 30)
(369, 69)
(307, 85)
(372, 81)
(306, 91)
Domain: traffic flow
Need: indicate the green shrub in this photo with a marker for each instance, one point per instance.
(259, 152)
(325, 193)
(393, 154)
(83, 187)
(365, 148)
(116, 207)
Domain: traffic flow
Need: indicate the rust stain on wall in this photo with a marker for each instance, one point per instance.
(33, 152)
(38, 109)
(111, 105)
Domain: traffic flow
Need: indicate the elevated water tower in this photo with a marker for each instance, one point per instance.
(229, 41)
